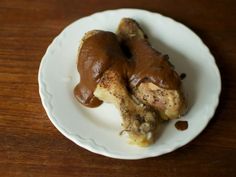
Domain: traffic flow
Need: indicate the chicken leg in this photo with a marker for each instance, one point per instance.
(139, 121)
(159, 85)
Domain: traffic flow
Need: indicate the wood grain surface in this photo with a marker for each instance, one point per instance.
(30, 146)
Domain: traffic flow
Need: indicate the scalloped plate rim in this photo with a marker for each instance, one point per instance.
(91, 144)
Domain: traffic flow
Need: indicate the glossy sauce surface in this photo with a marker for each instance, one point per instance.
(102, 51)
(150, 65)
(97, 54)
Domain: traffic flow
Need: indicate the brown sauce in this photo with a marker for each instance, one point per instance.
(102, 51)
(181, 125)
(150, 65)
(97, 54)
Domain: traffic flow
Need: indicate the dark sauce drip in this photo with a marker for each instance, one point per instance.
(181, 125)
(182, 76)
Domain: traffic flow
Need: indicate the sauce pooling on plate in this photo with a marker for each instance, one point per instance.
(182, 76)
(181, 125)
(101, 51)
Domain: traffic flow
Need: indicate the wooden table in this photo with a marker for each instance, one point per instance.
(31, 146)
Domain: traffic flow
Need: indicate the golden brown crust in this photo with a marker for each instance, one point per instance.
(139, 121)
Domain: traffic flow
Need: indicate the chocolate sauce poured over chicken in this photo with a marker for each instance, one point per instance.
(116, 68)
(102, 51)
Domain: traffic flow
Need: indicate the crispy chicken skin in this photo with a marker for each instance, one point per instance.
(170, 102)
(139, 121)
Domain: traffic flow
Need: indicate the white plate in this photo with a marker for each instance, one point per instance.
(98, 129)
